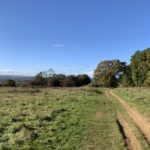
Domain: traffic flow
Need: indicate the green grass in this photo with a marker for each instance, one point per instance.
(138, 98)
(104, 132)
(140, 137)
(62, 119)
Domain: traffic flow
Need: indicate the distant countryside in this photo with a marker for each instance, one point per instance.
(74, 75)
(55, 111)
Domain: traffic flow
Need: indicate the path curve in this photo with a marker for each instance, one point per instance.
(137, 118)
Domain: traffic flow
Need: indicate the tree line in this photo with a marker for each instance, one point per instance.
(60, 80)
(113, 73)
(51, 79)
(109, 73)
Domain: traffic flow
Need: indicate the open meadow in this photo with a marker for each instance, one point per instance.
(74, 75)
(63, 119)
(68, 118)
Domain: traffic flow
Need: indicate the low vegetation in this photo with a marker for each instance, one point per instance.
(74, 118)
(137, 97)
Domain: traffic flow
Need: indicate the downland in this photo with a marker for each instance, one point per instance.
(71, 118)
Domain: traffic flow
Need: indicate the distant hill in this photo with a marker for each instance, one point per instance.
(17, 78)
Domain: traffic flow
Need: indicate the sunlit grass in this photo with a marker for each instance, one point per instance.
(138, 98)
(61, 118)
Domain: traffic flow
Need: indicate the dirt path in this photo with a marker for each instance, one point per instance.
(137, 118)
(130, 138)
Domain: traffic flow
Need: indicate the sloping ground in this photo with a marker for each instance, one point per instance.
(138, 119)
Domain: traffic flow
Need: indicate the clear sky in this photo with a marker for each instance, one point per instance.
(70, 36)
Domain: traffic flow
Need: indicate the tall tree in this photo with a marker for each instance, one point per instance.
(39, 80)
(108, 73)
(147, 80)
(139, 68)
(48, 73)
(83, 79)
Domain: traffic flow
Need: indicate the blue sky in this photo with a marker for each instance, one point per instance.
(70, 36)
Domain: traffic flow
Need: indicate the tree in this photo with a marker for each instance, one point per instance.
(126, 78)
(139, 67)
(48, 73)
(56, 80)
(147, 80)
(39, 80)
(108, 73)
(70, 81)
(53, 82)
(10, 83)
(83, 79)
(60, 78)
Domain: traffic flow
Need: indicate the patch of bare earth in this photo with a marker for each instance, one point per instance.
(137, 118)
(128, 134)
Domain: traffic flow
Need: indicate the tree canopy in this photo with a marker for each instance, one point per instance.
(140, 67)
(108, 73)
(115, 72)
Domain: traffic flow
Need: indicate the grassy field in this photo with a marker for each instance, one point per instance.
(64, 119)
(138, 98)
(139, 135)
